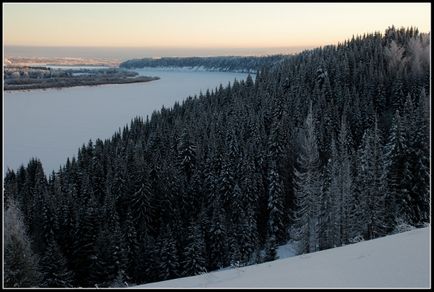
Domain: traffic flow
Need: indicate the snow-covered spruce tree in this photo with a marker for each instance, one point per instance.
(420, 147)
(186, 165)
(84, 253)
(276, 227)
(236, 219)
(218, 246)
(131, 248)
(416, 121)
(169, 266)
(247, 236)
(187, 155)
(229, 169)
(26, 199)
(345, 184)
(332, 198)
(67, 228)
(250, 185)
(147, 267)
(326, 216)
(110, 248)
(142, 208)
(21, 194)
(359, 211)
(10, 187)
(55, 273)
(212, 170)
(307, 190)
(379, 186)
(21, 267)
(371, 185)
(398, 175)
(42, 213)
(194, 252)
(408, 122)
(276, 213)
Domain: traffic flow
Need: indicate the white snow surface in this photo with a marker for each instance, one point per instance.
(399, 260)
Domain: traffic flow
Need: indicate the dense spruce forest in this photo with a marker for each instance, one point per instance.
(248, 64)
(326, 148)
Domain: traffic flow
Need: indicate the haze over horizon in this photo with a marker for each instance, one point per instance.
(124, 53)
(134, 30)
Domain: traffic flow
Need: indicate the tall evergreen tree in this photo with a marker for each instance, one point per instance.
(53, 264)
(371, 185)
(143, 210)
(307, 191)
(396, 163)
(218, 237)
(169, 265)
(194, 252)
(276, 226)
(84, 255)
(21, 267)
(344, 180)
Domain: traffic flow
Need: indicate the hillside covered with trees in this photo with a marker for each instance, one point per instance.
(248, 64)
(325, 148)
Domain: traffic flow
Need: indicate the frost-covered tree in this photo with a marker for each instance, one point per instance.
(110, 249)
(371, 185)
(307, 191)
(187, 155)
(143, 210)
(55, 271)
(169, 266)
(345, 185)
(415, 123)
(276, 226)
(132, 248)
(398, 174)
(218, 237)
(420, 166)
(194, 252)
(84, 252)
(21, 269)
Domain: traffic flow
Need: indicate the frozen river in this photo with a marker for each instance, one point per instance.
(52, 124)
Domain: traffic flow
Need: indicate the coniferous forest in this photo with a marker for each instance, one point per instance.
(226, 63)
(328, 147)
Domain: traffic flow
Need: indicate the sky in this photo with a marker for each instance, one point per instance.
(204, 25)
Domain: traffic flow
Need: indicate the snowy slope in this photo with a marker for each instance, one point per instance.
(400, 260)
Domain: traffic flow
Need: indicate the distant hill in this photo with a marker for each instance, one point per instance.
(223, 63)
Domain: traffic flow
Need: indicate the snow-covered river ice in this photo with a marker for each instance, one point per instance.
(52, 124)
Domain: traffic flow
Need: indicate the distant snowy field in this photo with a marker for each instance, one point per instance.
(400, 260)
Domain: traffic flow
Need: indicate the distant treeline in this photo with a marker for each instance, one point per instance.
(225, 63)
(21, 78)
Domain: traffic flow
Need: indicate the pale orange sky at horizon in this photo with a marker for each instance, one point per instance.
(204, 25)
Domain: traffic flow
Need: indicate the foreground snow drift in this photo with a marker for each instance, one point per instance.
(400, 260)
